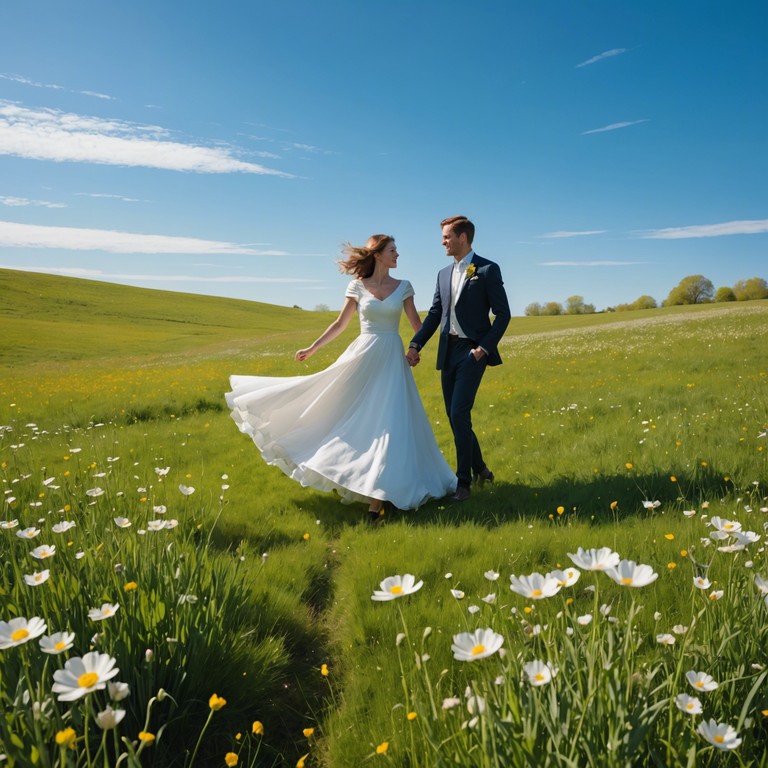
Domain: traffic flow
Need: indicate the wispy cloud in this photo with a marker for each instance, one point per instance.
(26, 81)
(747, 227)
(615, 126)
(48, 134)
(111, 197)
(18, 202)
(603, 55)
(590, 263)
(17, 235)
(566, 233)
(97, 274)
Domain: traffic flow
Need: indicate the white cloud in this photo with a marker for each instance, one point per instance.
(111, 197)
(590, 263)
(603, 55)
(97, 274)
(49, 134)
(17, 235)
(746, 227)
(575, 234)
(615, 126)
(27, 81)
(17, 202)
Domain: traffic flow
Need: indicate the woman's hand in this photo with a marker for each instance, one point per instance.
(304, 354)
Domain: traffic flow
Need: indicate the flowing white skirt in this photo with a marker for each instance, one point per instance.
(358, 427)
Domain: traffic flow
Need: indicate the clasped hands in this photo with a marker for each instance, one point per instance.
(414, 358)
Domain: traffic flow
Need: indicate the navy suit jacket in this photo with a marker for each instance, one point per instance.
(482, 294)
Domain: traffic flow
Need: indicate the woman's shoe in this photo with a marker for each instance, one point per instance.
(376, 514)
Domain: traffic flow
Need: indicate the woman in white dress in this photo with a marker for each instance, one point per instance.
(358, 427)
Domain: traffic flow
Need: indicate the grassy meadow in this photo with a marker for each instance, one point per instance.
(200, 608)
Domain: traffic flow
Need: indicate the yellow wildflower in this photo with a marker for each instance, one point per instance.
(216, 702)
(66, 738)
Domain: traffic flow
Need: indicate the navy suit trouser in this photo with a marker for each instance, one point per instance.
(461, 375)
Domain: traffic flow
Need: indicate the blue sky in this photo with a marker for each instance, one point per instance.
(603, 149)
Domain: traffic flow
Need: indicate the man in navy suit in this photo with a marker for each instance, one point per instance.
(467, 293)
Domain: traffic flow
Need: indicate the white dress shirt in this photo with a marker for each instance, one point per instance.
(457, 284)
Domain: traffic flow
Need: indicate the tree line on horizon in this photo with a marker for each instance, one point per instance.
(694, 289)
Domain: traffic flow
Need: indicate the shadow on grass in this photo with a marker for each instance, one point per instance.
(588, 500)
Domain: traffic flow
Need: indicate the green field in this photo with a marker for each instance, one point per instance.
(261, 587)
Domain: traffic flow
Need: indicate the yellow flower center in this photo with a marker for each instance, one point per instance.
(88, 680)
(719, 739)
(689, 705)
(699, 684)
(396, 590)
(478, 649)
(727, 527)
(536, 593)
(19, 634)
(538, 677)
(626, 580)
(60, 646)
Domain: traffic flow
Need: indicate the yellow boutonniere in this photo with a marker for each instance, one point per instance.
(471, 269)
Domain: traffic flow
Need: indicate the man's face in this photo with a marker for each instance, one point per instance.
(455, 245)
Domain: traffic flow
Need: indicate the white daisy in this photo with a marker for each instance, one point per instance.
(38, 577)
(57, 643)
(82, 676)
(20, 630)
(106, 611)
(470, 646)
(595, 559)
(396, 586)
(538, 673)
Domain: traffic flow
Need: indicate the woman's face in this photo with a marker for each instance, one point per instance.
(388, 257)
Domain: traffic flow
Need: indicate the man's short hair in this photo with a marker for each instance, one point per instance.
(460, 225)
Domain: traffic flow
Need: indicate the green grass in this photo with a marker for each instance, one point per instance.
(588, 417)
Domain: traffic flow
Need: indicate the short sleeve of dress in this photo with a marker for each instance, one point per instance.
(354, 290)
(407, 290)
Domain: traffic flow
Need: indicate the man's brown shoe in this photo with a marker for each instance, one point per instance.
(461, 494)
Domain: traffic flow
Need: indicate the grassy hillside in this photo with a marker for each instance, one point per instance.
(627, 430)
(49, 318)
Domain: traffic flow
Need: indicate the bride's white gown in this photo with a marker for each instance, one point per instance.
(358, 427)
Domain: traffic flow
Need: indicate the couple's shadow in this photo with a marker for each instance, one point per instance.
(596, 500)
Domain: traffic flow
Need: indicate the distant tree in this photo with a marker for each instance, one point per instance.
(724, 294)
(644, 302)
(754, 288)
(552, 308)
(322, 308)
(574, 305)
(694, 289)
(533, 310)
(296, 306)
